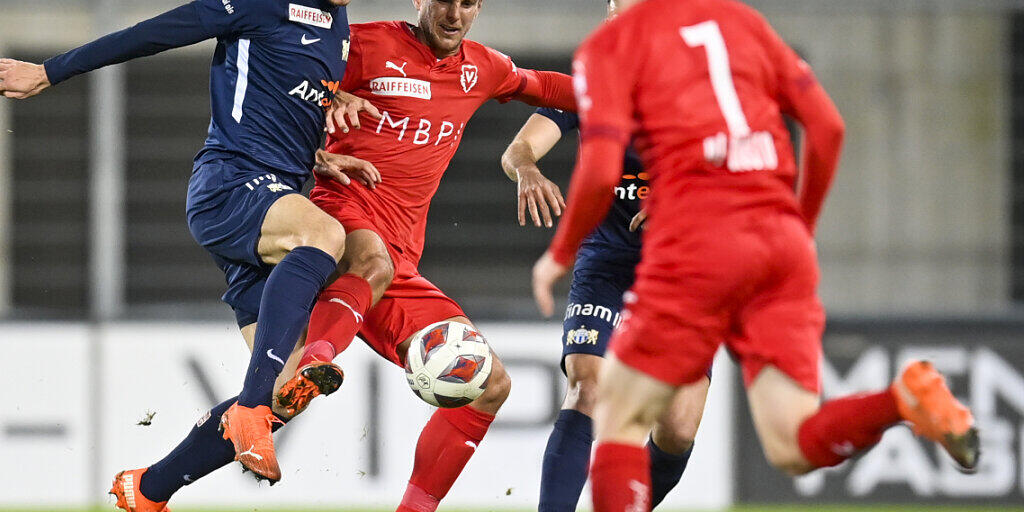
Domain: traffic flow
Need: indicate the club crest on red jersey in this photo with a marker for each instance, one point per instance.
(470, 74)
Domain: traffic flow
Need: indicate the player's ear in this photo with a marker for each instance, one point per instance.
(417, 4)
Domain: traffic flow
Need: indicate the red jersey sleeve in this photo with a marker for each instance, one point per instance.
(604, 74)
(801, 96)
(537, 88)
(508, 80)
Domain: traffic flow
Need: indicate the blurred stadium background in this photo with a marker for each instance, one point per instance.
(109, 309)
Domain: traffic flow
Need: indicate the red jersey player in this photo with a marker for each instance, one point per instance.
(426, 81)
(728, 253)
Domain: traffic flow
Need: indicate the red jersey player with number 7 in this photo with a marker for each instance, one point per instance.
(728, 253)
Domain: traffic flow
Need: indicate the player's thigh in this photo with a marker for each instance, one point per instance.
(779, 405)
(582, 372)
(290, 365)
(294, 221)
(677, 428)
(629, 403)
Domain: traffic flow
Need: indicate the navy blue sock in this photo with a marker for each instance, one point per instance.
(201, 452)
(566, 462)
(666, 470)
(288, 298)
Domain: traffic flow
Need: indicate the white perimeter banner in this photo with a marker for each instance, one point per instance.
(75, 395)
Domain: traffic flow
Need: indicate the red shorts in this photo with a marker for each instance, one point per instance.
(749, 282)
(408, 305)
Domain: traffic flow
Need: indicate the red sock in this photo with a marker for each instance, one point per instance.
(620, 478)
(845, 426)
(447, 442)
(336, 317)
(320, 350)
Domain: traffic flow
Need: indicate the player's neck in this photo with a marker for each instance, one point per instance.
(421, 36)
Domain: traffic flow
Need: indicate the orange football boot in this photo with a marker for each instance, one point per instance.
(314, 379)
(250, 431)
(924, 400)
(129, 497)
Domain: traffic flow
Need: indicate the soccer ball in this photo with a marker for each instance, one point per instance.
(448, 364)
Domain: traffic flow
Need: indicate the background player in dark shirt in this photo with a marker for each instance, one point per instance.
(275, 72)
(603, 272)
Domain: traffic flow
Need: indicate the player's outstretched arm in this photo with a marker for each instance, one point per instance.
(20, 80)
(534, 191)
(182, 26)
(547, 89)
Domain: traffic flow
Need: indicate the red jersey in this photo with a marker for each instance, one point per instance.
(425, 104)
(703, 85)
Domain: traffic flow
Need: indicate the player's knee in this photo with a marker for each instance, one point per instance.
(499, 385)
(328, 236)
(676, 438)
(374, 266)
(582, 393)
(788, 459)
(324, 233)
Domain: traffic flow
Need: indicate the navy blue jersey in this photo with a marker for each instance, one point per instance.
(272, 77)
(614, 230)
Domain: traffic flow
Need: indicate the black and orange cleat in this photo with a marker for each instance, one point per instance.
(129, 497)
(314, 379)
(934, 413)
(250, 431)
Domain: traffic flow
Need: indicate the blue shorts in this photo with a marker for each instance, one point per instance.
(226, 204)
(600, 278)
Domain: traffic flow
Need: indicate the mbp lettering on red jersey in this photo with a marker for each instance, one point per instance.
(423, 133)
(753, 152)
(398, 86)
(309, 16)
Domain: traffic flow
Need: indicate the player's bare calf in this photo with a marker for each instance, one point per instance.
(676, 430)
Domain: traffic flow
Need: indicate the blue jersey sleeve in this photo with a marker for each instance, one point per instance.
(566, 121)
(185, 25)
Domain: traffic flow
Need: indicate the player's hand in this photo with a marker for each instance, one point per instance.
(546, 272)
(540, 195)
(638, 220)
(344, 168)
(20, 80)
(344, 112)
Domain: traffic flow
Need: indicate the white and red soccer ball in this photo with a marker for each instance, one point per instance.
(448, 364)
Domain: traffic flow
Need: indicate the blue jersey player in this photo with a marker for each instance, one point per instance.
(275, 72)
(602, 275)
